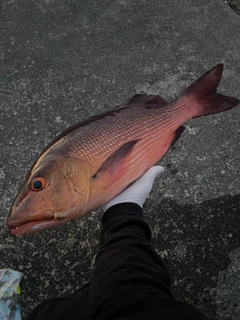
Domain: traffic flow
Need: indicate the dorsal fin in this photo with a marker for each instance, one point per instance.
(146, 99)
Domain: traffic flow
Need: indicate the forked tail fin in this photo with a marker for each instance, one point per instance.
(203, 95)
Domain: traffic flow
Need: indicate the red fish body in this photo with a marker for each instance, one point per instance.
(93, 161)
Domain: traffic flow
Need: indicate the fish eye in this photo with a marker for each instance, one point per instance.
(37, 184)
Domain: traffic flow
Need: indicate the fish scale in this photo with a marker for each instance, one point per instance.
(93, 161)
(117, 138)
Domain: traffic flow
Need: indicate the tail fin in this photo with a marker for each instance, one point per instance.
(204, 96)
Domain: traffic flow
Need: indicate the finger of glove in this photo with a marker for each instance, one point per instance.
(149, 176)
(141, 186)
(138, 191)
(145, 183)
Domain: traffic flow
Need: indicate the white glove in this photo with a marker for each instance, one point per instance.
(138, 191)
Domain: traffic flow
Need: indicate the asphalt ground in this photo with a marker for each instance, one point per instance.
(63, 61)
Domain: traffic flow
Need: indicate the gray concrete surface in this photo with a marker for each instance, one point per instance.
(62, 61)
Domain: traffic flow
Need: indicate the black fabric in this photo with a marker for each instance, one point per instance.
(129, 281)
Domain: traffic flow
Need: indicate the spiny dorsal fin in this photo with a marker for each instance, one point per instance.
(146, 99)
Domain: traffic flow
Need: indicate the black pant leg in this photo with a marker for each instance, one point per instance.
(72, 307)
(129, 280)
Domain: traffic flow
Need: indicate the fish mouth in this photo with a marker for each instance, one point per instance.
(31, 225)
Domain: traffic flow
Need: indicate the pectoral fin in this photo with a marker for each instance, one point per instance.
(116, 165)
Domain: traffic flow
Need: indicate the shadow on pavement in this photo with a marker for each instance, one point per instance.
(194, 241)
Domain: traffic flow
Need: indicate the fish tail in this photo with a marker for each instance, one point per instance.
(202, 95)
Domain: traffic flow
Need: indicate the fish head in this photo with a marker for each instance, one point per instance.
(53, 193)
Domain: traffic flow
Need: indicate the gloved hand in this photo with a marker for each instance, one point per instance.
(138, 191)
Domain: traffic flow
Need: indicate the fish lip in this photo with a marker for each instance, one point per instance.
(43, 217)
(29, 227)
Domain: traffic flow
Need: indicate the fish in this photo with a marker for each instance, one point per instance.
(93, 161)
